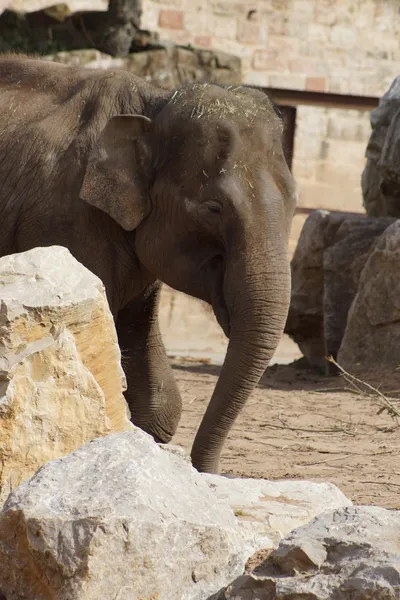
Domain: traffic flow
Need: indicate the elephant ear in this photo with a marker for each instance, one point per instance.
(115, 181)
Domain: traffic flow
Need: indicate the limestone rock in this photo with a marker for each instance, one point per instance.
(122, 517)
(326, 266)
(118, 518)
(271, 509)
(167, 66)
(381, 176)
(351, 553)
(371, 341)
(61, 381)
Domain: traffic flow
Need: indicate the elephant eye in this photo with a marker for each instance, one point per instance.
(214, 206)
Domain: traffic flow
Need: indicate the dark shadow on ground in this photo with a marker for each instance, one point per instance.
(295, 376)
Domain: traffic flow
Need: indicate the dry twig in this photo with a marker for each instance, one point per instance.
(368, 390)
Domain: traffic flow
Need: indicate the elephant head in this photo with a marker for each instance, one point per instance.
(203, 185)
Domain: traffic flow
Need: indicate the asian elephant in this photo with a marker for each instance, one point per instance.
(145, 186)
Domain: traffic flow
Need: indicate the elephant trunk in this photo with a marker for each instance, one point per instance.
(257, 294)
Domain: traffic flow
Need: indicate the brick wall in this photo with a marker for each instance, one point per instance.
(328, 157)
(338, 46)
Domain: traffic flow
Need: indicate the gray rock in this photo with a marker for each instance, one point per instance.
(305, 322)
(168, 66)
(381, 176)
(326, 266)
(343, 263)
(372, 337)
(351, 553)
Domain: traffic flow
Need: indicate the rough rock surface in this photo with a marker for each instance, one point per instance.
(271, 509)
(305, 321)
(168, 67)
(342, 266)
(61, 381)
(381, 176)
(119, 518)
(123, 518)
(348, 554)
(326, 266)
(372, 338)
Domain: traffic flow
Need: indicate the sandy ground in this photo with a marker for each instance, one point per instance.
(298, 425)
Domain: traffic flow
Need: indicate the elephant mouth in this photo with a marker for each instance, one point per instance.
(218, 302)
(222, 316)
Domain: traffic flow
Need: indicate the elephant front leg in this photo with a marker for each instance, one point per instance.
(152, 395)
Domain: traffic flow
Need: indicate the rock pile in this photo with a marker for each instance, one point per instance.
(345, 274)
(348, 554)
(123, 518)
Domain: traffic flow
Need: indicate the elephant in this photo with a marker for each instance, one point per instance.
(146, 186)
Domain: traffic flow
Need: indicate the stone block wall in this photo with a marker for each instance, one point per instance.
(337, 46)
(328, 157)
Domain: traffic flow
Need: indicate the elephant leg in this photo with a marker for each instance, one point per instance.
(152, 395)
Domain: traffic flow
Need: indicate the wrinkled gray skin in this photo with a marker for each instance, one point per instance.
(189, 188)
(380, 180)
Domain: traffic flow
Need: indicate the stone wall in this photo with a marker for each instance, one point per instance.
(167, 67)
(329, 157)
(318, 45)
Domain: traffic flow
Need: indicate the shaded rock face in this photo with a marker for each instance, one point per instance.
(305, 321)
(61, 381)
(381, 176)
(326, 266)
(343, 263)
(348, 554)
(372, 339)
(123, 518)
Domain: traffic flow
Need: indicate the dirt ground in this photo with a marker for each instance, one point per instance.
(299, 425)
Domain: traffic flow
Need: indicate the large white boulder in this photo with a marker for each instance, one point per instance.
(61, 381)
(118, 518)
(123, 518)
